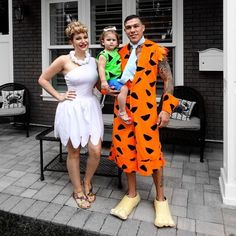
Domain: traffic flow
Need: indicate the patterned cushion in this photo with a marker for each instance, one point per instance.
(12, 99)
(183, 110)
(192, 124)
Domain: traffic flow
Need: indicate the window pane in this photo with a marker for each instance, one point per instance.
(58, 81)
(4, 29)
(157, 17)
(105, 13)
(60, 15)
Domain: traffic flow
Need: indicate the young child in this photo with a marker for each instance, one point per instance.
(109, 69)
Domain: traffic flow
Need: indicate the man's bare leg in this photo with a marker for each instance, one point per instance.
(158, 181)
(131, 179)
(129, 201)
(163, 215)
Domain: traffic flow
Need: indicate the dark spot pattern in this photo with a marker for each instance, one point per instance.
(134, 95)
(145, 117)
(118, 137)
(139, 79)
(172, 107)
(154, 127)
(147, 137)
(124, 166)
(133, 109)
(148, 92)
(121, 127)
(149, 150)
(152, 84)
(166, 97)
(149, 105)
(109, 58)
(131, 134)
(153, 63)
(131, 147)
(143, 167)
(119, 150)
(139, 68)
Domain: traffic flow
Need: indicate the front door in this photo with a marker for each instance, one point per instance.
(6, 70)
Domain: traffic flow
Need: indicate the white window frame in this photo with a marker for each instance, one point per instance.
(129, 7)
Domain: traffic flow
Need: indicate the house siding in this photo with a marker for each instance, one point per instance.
(203, 28)
(28, 61)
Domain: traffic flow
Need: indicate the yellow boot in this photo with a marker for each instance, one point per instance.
(163, 215)
(125, 207)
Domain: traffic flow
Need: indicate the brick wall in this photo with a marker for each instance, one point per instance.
(27, 61)
(203, 29)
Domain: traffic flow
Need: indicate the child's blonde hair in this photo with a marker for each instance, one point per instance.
(106, 30)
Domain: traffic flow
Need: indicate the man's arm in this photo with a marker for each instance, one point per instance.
(166, 76)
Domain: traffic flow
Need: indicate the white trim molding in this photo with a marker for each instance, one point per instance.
(128, 7)
(228, 172)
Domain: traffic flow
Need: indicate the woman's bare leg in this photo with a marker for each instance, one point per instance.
(73, 167)
(92, 164)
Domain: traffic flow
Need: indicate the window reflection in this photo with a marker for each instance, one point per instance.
(105, 13)
(4, 28)
(60, 15)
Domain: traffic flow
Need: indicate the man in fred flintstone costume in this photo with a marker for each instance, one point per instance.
(136, 147)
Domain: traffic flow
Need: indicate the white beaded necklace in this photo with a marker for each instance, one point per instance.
(77, 61)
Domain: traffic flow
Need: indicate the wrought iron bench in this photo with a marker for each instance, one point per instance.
(58, 163)
(15, 104)
(189, 132)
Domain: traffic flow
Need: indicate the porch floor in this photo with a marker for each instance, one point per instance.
(191, 187)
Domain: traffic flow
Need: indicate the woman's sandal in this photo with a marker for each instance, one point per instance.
(81, 200)
(124, 117)
(91, 197)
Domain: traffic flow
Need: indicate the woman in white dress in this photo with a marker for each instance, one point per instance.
(78, 119)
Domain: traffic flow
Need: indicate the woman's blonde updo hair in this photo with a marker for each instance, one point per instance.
(75, 27)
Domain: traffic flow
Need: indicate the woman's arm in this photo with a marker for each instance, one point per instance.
(56, 67)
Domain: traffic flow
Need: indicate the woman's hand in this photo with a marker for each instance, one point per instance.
(69, 95)
(104, 85)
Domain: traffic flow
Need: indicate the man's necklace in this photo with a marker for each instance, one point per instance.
(78, 61)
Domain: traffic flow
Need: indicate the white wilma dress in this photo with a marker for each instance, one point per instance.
(81, 118)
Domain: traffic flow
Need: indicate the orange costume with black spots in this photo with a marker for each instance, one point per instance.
(136, 147)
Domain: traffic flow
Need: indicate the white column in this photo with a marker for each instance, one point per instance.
(228, 172)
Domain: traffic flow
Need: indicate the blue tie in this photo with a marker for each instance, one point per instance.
(131, 66)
